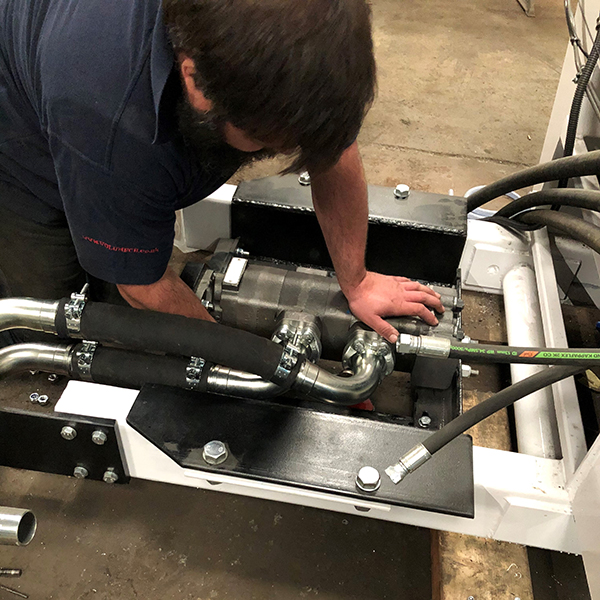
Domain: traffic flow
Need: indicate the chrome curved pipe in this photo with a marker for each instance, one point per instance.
(51, 358)
(229, 382)
(335, 389)
(27, 313)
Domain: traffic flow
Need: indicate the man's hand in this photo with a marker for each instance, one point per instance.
(379, 296)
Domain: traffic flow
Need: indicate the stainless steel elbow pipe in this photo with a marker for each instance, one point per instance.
(27, 313)
(51, 358)
(17, 526)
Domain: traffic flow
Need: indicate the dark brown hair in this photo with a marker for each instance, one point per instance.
(295, 73)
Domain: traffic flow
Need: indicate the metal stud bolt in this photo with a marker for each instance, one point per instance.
(424, 421)
(402, 191)
(80, 472)
(68, 433)
(99, 437)
(368, 479)
(304, 178)
(215, 452)
(110, 476)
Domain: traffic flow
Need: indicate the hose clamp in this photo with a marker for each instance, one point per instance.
(74, 309)
(411, 461)
(287, 362)
(193, 372)
(84, 357)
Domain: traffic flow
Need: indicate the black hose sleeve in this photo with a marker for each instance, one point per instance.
(482, 353)
(565, 224)
(123, 368)
(495, 403)
(572, 166)
(566, 197)
(582, 83)
(149, 331)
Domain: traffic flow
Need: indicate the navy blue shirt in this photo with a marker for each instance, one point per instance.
(85, 122)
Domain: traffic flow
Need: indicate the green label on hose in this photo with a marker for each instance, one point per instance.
(476, 350)
(569, 355)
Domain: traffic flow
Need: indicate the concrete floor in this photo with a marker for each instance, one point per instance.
(465, 92)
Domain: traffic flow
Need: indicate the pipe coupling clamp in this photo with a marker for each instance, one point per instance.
(83, 359)
(193, 372)
(74, 309)
(411, 461)
(287, 362)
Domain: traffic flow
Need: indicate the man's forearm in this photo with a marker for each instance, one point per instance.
(169, 294)
(341, 205)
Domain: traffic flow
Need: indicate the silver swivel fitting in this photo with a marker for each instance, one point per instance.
(423, 345)
(411, 461)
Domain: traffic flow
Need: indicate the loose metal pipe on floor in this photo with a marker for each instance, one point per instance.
(537, 432)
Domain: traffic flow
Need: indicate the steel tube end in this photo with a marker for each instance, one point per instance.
(17, 526)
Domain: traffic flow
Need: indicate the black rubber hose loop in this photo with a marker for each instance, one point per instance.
(557, 197)
(565, 224)
(572, 166)
(149, 331)
(497, 402)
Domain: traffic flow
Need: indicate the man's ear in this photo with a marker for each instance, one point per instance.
(195, 96)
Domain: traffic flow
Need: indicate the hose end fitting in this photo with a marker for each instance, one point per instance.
(424, 345)
(411, 461)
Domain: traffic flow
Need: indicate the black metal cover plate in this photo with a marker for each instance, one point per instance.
(304, 447)
(421, 237)
(33, 441)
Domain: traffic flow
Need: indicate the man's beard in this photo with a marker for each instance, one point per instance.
(203, 134)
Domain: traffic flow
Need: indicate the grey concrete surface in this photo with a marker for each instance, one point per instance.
(465, 92)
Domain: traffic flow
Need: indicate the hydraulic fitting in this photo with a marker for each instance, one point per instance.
(423, 345)
(411, 461)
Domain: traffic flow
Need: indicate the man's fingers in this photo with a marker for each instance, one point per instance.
(384, 329)
(426, 299)
(415, 286)
(420, 310)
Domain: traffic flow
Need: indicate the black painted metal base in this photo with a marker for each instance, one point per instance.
(303, 446)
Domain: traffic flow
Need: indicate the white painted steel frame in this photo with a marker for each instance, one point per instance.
(518, 498)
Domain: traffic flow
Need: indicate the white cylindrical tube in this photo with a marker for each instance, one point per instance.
(535, 416)
(17, 526)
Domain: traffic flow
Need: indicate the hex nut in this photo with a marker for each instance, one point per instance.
(215, 452)
(52, 377)
(110, 476)
(424, 421)
(402, 191)
(68, 433)
(43, 400)
(80, 472)
(99, 437)
(368, 479)
(304, 178)
(34, 397)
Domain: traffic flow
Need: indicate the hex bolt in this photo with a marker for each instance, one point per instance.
(43, 400)
(52, 377)
(68, 432)
(80, 472)
(304, 178)
(402, 191)
(99, 437)
(110, 476)
(470, 598)
(368, 479)
(467, 371)
(215, 452)
(34, 397)
(424, 421)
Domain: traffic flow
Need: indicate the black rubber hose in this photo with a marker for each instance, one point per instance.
(496, 402)
(582, 83)
(572, 166)
(573, 227)
(483, 353)
(149, 331)
(557, 197)
(123, 368)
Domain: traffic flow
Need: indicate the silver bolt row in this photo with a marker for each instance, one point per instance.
(109, 475)
(70, 433)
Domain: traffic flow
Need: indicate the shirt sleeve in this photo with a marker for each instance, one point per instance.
(122, 227)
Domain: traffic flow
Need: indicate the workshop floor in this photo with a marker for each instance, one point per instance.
(465, 93)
